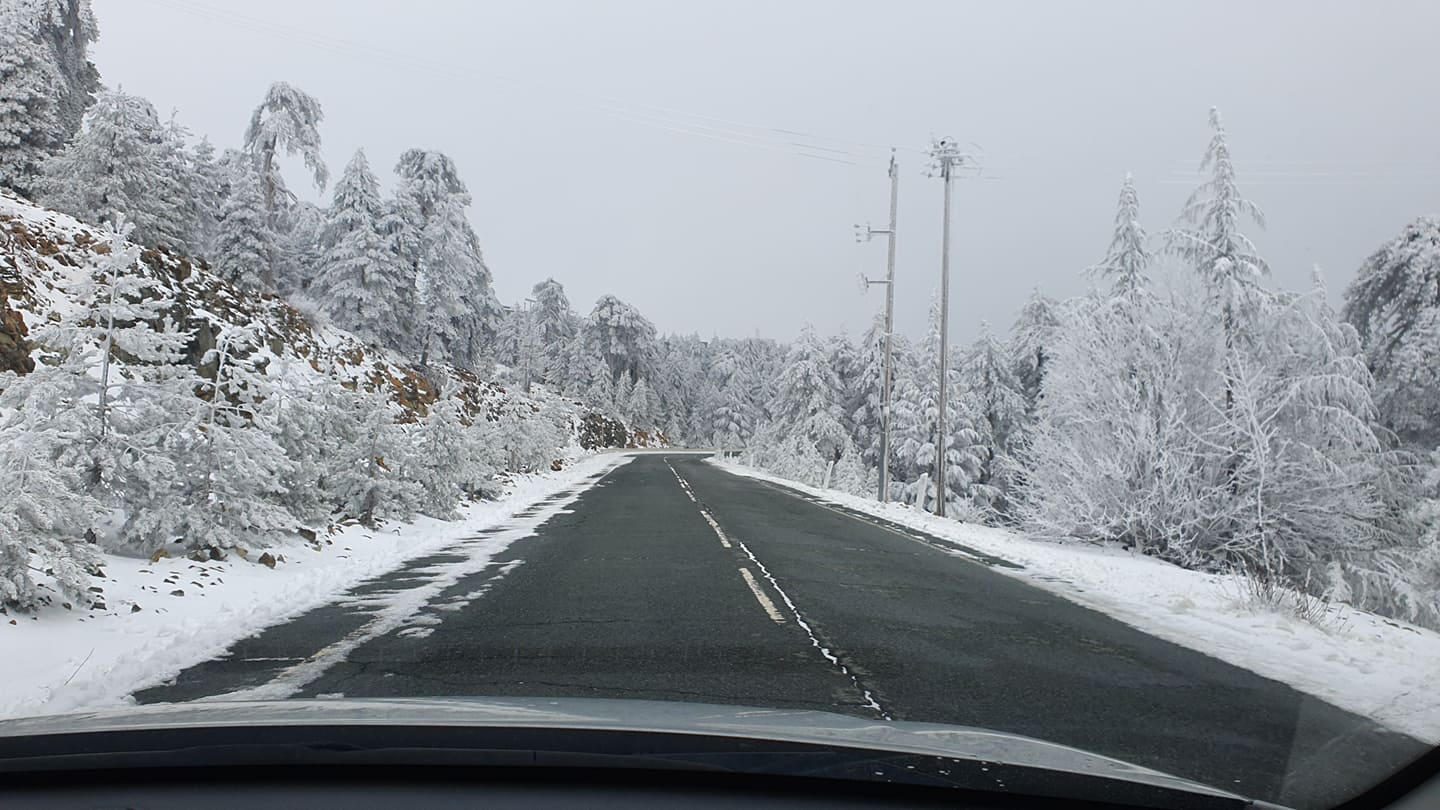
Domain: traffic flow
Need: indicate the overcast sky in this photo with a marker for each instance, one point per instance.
(641, 148)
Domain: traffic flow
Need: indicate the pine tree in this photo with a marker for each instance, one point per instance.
(29, 121)
(809, 402)
(1030, 339)
(866, 406)
(622, 336)
(1224, 257)
(458, 312)
(360, 284)
(1394, 304)
(48, 507)
(995, 397)
(286, 122)
(124, 160)
(557, 323)
(1127, 261)
(245, 243)
(915, 432)
(46, 82)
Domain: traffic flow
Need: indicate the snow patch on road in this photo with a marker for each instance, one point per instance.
(165, 616)
(1367, 664)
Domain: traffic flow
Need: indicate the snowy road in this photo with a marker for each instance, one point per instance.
(671, 579)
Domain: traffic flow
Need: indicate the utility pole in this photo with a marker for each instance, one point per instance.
(887, 375)
(945, 156)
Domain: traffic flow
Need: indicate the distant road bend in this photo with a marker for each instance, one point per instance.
(672, 579)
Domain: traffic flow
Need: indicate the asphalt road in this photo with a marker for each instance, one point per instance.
(784, 602)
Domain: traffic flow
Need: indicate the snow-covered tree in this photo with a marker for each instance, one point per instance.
(208, 182)
(47, 508)
(1224, 257)
(809, 404)
(361, 284)
(46, 82)
(994, 395)
(457, 310)
(1113, 454)
(915, 432)
(1030, 338)
(866, 396)
(124, 160)
(233, 493)
(1127, 261)
(643, 406)
(1394, 303)
(624, 338)
(287, 122)
(557, 324)
(245, 241)
(29, 121)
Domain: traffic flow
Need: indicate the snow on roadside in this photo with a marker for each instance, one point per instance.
(165, 616)
(1367, 664)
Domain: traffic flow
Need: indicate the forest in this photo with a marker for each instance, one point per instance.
(206, 359)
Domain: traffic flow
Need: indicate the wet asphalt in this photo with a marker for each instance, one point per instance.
(629, 592)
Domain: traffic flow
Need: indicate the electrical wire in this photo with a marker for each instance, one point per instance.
(704, 126)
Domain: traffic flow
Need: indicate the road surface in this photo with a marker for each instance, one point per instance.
(671, 579)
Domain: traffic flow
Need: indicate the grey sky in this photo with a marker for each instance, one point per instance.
(1330, 106)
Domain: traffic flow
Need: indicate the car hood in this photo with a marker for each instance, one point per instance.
(780, 725)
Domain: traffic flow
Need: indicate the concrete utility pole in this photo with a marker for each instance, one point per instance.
(945, 156)
(887, 376)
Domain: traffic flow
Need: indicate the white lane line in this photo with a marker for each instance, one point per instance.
(683, 485)
(760, 597)
(719, 532)
(870, 700)
(834, 660)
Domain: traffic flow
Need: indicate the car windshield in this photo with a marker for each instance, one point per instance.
(1065, 372)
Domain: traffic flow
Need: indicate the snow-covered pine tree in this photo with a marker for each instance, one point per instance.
(643, 408)
(299, 251)
(1224, 257)
(1394, 304)
(245, 243)
(68, 28)
(435, 241)
(48, 506)
(866, 407)
(29, 121)
(557, 323)
(1126, 264)
(1030, 338)
(207, 185)
(809, 407)
(361, 284)
(287, 122)
(914, 437)
(1114, 454)
(122, 160)
(46, 82)
(126, 445)
(233, 491)
(994, 395)
(1298, 448)
(622, 336)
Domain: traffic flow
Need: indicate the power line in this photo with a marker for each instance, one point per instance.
(712, 127)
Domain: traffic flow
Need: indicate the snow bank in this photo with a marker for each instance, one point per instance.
(1364, 663)
(165, 616)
